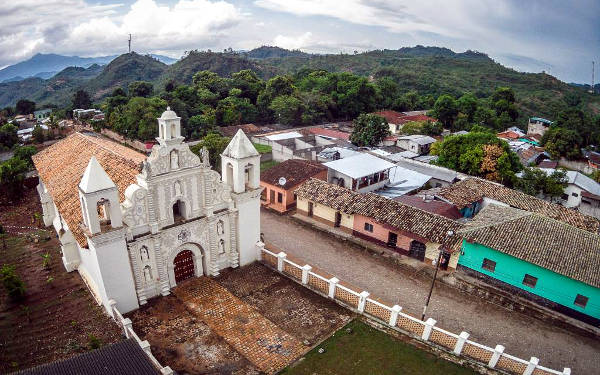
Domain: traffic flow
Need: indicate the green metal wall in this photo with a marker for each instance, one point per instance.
(550, 285)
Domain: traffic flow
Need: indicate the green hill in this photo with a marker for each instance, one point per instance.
(427, 70)
(123, 70)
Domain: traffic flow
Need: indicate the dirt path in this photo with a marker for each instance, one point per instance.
(258, 339)
(488, 324)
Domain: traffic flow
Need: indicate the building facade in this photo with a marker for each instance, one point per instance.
(136, 226)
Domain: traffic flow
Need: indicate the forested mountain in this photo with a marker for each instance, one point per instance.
(123, 70)
(426, 70)
(46, 65)
(56, 90)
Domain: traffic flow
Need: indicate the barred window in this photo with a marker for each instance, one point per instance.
(489, 265)
(530, 281)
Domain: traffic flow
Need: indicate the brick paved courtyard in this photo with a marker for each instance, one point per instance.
(249, 320)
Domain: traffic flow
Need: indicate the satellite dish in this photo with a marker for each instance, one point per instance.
(282, 181)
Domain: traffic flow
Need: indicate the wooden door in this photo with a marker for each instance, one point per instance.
(310, 209)
(184, 265)
(338, 219)
(417, 250)
(392, 239)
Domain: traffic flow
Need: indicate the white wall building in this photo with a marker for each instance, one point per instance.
(135, 226)
(362, 173)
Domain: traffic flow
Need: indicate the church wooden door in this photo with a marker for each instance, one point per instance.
(184, 265)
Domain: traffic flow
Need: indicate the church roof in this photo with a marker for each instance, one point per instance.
(95, 178)
(62, 166)
(240, 147)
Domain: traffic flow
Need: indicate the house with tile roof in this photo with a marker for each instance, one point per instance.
(280, 181)
(544, 259)
(134, 226)
(400, 227)
(396, 120)
(473, 189)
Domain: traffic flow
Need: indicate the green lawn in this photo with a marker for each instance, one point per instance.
(267, 164)
(368, 351)
(262, 149)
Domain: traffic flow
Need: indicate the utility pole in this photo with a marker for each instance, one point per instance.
(129, 43)
(449, 234)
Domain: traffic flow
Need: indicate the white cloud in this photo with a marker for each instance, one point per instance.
(291, 42)
(76, 27)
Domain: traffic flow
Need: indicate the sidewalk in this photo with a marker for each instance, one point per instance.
(489, 324)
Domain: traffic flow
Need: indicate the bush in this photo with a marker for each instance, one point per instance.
(12, 283)
(93, 342)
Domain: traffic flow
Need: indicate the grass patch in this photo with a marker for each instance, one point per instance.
(267, 164)
(262, 149)
(368, 351)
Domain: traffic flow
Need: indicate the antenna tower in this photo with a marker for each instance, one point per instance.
(593, 91)
(129, 43)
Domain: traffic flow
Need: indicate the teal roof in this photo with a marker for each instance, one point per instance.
(530, 141)
(541, 120)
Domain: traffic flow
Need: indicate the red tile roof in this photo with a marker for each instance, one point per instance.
(434, 206)
(229, 131)
(295, 172)
(508, 134)
(330, 133)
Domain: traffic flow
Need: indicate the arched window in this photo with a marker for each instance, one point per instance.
(174, 159)
(147, 274)
(229, 174)
(103, 209)
(179, 211)
(144, 256)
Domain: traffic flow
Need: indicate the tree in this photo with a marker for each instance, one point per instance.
(201, 125)
(535, 182)
(25, 153)
(388, 90)
(8, 136)
(25, 107)
(287, 109)
(38, 134)
(11, 177)
(137, 119)
(562, 142)
(81, 99)
(215, 144)
(479, 153)
(467, 105)
(445, 110)
(369, 130)
(140, 88)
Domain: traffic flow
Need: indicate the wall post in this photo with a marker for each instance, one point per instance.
(146, 347)
(394, 315)
(332, 283)
(127, 325)
(428, 328)
(362, 300)
(533, 362)
(305, 270)
(260, 247)
(460, 343)
(280, 258)
(496, 356)
(566, 371)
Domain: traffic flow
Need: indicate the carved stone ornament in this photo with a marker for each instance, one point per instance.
(184, 235)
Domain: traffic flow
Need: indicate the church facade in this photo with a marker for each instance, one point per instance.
(135, 226)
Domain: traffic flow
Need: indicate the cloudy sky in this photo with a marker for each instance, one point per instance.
(560, 37)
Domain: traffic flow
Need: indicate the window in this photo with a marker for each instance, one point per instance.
(581, 301)
(279, 197)
(575, 194)
(564, 197)
(489, 265)
(369, 227)
(529, 281)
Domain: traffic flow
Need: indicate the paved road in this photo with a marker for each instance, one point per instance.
(488, 324)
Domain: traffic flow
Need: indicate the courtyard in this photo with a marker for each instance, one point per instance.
(408, 284)
(246, 321)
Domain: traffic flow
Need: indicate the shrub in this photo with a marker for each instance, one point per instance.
(12, 283)
(93, 342)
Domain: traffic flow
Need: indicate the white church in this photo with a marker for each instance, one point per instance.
(135, 226)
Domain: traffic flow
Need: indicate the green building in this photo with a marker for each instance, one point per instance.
(553, 263)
